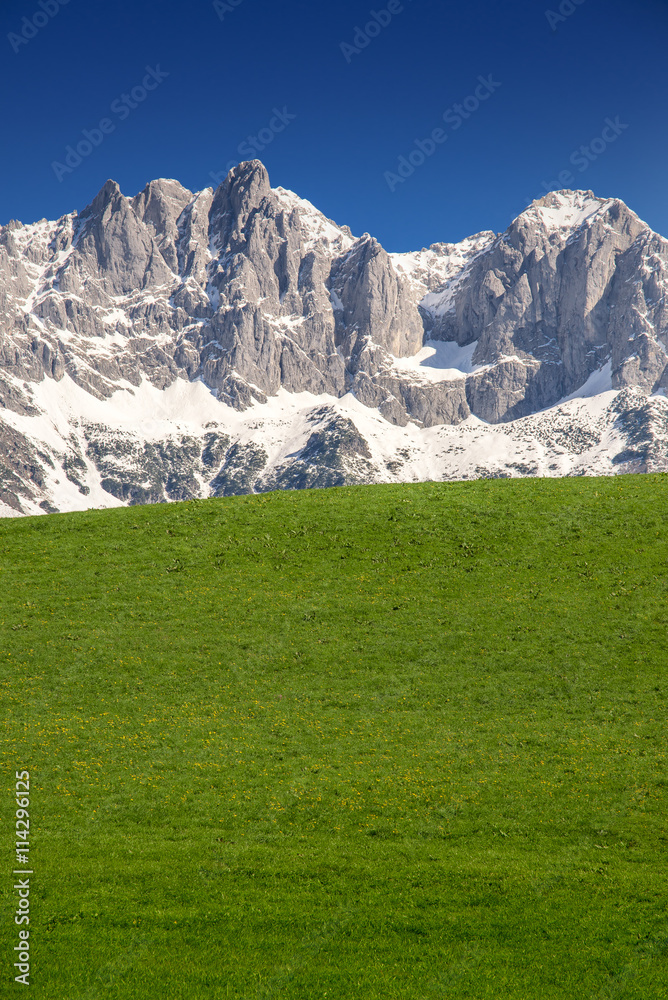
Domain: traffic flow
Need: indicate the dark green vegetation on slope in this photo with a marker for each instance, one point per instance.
(377, 742)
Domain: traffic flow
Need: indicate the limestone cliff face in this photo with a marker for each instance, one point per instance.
(553, 299)
(249, 292)
(373, 302)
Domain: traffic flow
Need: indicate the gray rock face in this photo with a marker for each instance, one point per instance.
(115, 252)
(159, 206)
(553, 299)
(251, 296)
(373, 302)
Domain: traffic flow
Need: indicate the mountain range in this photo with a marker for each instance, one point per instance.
(178, 345)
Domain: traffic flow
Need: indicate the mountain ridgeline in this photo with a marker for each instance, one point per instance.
(179, 344)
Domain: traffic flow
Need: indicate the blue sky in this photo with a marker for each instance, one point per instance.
(335, 123)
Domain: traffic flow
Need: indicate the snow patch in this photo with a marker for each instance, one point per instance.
(317, 229)
(439, 361)
(598, 382)
(567, 209)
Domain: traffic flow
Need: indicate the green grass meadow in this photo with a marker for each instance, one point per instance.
(357, 744)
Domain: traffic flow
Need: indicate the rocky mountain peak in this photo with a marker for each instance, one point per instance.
(108, 197)
(159, 207)
(242, 192)
(160, 204)
(247, 308)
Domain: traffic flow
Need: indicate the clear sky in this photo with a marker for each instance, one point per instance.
(335, 109)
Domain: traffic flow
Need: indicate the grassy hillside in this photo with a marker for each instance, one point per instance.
(378, 742)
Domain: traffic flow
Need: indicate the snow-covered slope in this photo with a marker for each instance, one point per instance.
(148, 445)
(182, 344)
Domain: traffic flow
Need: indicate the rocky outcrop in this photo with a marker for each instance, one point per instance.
(553, 299)
(373, 303)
